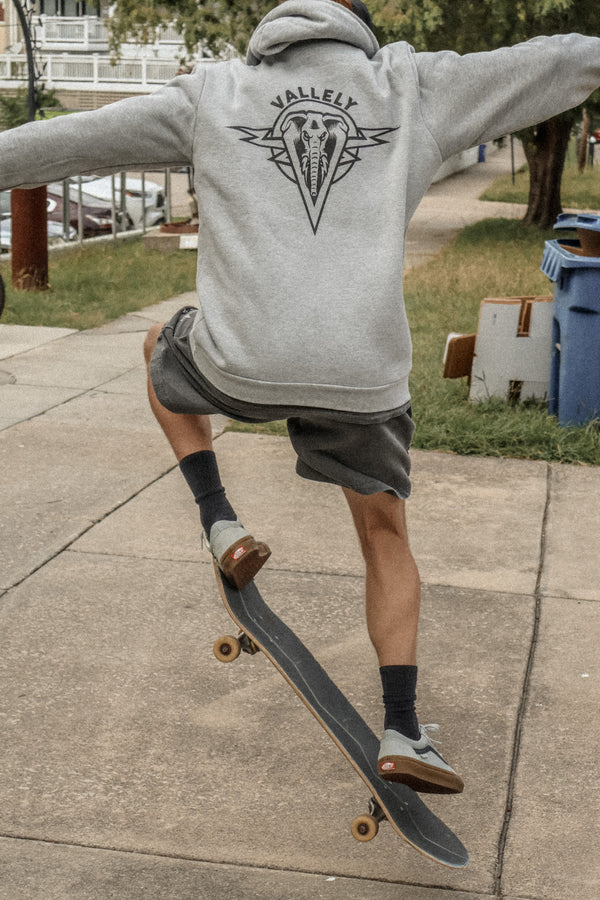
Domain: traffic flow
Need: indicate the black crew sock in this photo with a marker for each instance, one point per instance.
(201, 472)
(399, 696)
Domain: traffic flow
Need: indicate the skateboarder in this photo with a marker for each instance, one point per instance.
(309, 160)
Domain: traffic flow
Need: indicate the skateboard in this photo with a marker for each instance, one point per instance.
(262, 630)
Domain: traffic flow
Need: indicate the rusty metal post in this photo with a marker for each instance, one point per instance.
(29, 239)
(28, 208)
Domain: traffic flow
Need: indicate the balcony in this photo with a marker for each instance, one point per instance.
(85, 33)
(88, 34)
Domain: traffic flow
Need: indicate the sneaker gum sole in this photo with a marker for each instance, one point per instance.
(243, 560)
(420, 776)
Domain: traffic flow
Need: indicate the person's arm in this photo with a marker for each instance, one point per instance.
(471, 99)
(154, 130)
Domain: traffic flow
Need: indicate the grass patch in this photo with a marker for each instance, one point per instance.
(578, 191)
(494, 258)
(94, 285)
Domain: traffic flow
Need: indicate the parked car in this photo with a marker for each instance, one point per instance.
(55, 233)
(4, 203)
(98, 192)
(97, 220)
(97, 199)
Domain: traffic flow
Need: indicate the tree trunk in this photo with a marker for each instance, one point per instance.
(545, 149)
(29, 239)
(582, 149)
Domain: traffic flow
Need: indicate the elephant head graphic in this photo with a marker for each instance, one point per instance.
(313, 141)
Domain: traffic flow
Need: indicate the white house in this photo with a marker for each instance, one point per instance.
(72, 48)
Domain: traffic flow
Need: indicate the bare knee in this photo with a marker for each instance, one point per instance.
(150, 341)
(380, 522)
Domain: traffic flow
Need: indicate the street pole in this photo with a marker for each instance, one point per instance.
(23, 20)
(28, 208)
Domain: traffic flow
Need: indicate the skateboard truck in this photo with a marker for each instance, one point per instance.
(365, 828)
(228, 648)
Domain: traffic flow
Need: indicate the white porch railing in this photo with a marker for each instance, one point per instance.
(86, 32)
(56, 33)
(64, 70)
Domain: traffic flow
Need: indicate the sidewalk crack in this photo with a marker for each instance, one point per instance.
(508, 809)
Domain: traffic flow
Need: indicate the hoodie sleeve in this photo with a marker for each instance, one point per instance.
(154, 130)
(471, 99)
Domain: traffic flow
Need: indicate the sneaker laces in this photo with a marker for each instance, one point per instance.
(425, 731)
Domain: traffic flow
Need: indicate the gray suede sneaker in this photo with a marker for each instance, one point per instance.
(237, 554)
(416, 763)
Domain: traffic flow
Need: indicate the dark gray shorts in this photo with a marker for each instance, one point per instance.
(364, 453)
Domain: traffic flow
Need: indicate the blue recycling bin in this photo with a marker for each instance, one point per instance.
(574, 395)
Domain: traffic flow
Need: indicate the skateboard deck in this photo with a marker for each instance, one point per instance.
(262, 630)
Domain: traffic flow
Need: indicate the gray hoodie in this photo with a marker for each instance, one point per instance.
(309, 160)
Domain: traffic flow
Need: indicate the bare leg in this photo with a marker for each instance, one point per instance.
(393, 592)
(186, 434)
(239, 555)
(393, 602)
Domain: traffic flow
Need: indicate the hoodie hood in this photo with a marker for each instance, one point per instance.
(308, 20)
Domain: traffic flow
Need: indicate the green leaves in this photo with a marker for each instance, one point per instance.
(465, 26)
(470, 26)
(211, 25)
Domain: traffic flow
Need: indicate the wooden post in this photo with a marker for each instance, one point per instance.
(29, 239)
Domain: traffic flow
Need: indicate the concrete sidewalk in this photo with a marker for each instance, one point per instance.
(134, 766)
